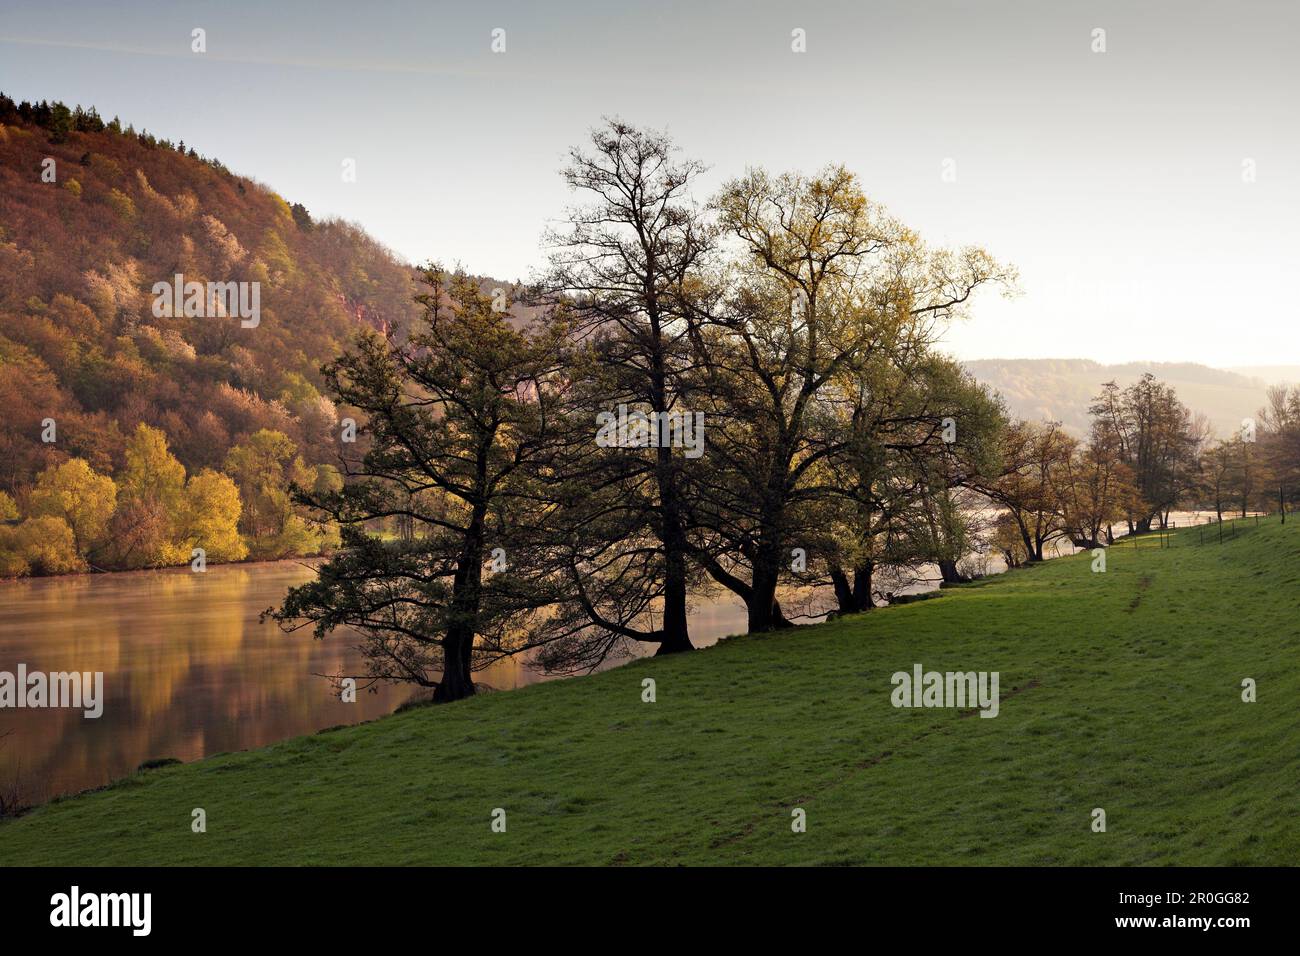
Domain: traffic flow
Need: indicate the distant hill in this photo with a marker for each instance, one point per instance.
(1062, 389)
(1272, 374)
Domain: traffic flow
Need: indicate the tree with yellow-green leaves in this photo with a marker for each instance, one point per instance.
(12, 562)
(264, 467)
(151, 493)
(826, 289)
(151, 470)
(40, 545)
(209, 517)
(84, 499)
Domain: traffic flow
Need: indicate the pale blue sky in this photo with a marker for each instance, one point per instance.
(1113, 181)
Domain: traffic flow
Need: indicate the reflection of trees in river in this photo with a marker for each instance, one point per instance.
(188, 671)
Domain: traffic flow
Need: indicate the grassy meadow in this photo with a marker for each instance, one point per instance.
(1119, 690)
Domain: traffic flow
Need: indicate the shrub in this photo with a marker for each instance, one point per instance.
(48, 546)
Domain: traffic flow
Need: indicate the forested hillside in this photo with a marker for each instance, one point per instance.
(92, 215)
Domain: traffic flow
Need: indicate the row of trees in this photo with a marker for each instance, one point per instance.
(1141, 459)
(150, 514)
(791, 319)
(1259, 468)
(61, 121)
(1146, 455)
(739, 397)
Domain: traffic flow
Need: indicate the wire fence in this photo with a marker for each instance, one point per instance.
(1215, 529)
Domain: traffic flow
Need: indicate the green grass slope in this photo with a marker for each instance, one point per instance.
(1119, 690)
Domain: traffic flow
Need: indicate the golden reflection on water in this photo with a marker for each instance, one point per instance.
(189, 670)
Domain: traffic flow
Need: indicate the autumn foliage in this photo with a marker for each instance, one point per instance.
(91, 216)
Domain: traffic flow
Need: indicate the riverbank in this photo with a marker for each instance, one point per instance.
(1119, 691)
(94, 572)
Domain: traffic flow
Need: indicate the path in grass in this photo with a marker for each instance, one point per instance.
(1119, 690)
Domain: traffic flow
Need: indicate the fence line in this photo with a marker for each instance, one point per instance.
(1219, 530)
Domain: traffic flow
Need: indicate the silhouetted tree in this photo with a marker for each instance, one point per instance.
(455, 416)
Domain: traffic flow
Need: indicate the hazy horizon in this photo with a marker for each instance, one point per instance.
(1116, 182)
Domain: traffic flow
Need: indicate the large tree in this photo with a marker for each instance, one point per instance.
(1154, 434)
(1217, 468)
(823, 282)
(1095, 489)
(456, 417)
(627, 269)
(142, 533)
(1034, 458)
(1279, 435)
(920, 429)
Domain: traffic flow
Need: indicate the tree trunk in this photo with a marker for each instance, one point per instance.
(779, 620)
(675, 639)
(852, 596)
(672, 536)
(948, 571)
(676, 635)
(843, 592)
(675, 628)
(1028, 540)
(463, 614)
(862, 580)
(762, 607)
(763, 610)
(456, 683)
